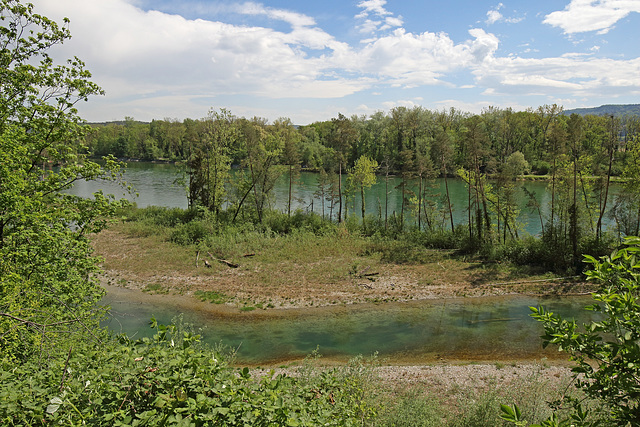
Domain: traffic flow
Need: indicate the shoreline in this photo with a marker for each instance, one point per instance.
(429, 356)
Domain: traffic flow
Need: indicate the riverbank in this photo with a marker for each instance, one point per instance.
(293, 278)
(297, 271)
(446, 379)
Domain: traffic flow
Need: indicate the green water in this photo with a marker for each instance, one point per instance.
(456, 329)
(155, 185)
(492, 328)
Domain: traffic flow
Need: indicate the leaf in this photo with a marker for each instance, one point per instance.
(181, 395)
(56, 402)
(509, 413)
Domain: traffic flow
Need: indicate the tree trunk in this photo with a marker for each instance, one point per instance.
(606, 189)
(446, 186)
(420, 204)
(290, 189)
(340, 192)
(364, 226)
(386, 196)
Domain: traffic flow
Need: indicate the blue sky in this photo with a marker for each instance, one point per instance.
(309, 60)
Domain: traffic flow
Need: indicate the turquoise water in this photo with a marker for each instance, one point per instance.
(476, 329)
(155, 184)
(490, 328)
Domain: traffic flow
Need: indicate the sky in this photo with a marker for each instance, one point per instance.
(310, 60)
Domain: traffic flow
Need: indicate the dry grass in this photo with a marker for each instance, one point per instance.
(301, 270)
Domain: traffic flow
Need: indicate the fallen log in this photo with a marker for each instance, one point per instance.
(227, 263)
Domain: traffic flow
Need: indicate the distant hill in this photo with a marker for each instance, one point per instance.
(607, 110)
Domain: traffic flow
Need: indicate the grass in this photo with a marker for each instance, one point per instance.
(212, 297)
(446, 397)
(299, 268)
(469, 405)
(155, 288)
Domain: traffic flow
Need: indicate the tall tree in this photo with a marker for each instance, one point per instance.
(343, 135)
(263, 150)
(285, 132)
(552, 137)
(442, 154)
(210, 160)
(363, 175)
(575, 124)
(48, 284)
(610, 148)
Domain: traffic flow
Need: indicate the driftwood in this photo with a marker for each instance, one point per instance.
(206, 263)
(369, 276)
(249, 255)
(364, 285)
(227, 263)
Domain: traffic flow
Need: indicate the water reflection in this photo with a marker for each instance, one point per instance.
(155, 184)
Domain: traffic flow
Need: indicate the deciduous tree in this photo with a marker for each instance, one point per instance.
(48, 284)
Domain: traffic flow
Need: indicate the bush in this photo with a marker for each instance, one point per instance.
(412, 408)
(161, 216)
(192, 232)
(606, 351)
(281, 223)
(170, 379)
(540, 167)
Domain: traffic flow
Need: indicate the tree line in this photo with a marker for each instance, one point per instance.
(578, 155)
(58, 366)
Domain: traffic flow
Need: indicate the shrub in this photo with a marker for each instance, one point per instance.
(540, 167)
(192, 232)
(606, 351)
(171, 379)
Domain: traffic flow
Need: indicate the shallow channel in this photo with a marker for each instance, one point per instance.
(457, 329)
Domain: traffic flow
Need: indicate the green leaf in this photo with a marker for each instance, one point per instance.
(54, 405)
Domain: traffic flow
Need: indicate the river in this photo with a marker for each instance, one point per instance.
(453, 329)
(155, 184)
(492, 328)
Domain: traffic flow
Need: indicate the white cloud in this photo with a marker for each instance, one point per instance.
(471, 107)
(571, 75)
(155, 64)
(493, 16)
(376, 18)
(407, 59)
(153, 54)
(375, 7)
(295, 19)
(591, 15)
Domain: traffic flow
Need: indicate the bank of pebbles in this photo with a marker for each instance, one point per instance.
(451, 378)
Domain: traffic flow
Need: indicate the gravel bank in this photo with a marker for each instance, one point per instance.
(442, 378)
(445, 378)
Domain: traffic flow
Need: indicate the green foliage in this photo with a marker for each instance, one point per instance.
(170, 379)
(209, 160)
(192, 232)
(606, 351)
(48, 288)
(413, 409)
(212, 297)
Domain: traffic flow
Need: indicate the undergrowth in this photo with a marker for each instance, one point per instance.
(396, 243)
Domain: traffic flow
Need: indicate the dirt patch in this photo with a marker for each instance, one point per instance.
(283, 277)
